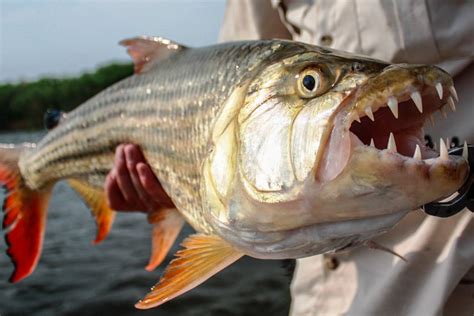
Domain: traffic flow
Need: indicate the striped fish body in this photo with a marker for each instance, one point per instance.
(167, 110)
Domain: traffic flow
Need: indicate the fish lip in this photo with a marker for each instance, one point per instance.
(353, 119)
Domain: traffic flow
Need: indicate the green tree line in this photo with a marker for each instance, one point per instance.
(22, 105)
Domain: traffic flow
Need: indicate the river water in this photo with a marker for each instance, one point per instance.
(74, 277)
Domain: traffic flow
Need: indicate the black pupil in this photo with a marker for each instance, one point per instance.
(309, 82)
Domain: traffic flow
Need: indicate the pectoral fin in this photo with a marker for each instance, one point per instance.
(202, 257)
(96, 200)
(167, 224)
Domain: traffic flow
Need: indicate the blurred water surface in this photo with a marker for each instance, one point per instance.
(74, 277)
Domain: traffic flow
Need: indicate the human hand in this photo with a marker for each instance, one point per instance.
(131, 185)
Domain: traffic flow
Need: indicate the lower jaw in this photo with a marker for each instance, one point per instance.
(343, 143)
(379, 182)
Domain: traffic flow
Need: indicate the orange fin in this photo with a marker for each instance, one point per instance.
(203, 256)
(146, 50)
(25, 216)
(96, 200)
(167, 224)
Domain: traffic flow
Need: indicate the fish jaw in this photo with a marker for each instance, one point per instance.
(389, 168)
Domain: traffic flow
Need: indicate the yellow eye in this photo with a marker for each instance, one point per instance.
(310, 83)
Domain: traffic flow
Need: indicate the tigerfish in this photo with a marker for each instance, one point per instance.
(272, 149)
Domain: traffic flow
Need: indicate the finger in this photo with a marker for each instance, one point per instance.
(133, 156)
(124, 181)
(153, 186)
(113, 194)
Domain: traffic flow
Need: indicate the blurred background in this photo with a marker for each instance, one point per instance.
(57, 54)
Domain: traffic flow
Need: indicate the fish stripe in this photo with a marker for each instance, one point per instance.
(168, 110)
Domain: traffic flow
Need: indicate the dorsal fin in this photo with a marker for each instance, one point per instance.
(147, 50)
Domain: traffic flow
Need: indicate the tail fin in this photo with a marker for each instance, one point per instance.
(24, 215)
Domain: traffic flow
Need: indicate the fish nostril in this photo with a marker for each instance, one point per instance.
(357, 67)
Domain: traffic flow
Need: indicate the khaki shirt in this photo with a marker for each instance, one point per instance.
(439, 276)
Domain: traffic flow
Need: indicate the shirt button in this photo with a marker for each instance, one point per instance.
(326, 40)
(331, 263)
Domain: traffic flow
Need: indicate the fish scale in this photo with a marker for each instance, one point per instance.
(168, 111)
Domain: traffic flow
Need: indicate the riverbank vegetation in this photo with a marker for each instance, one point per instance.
(22, 105)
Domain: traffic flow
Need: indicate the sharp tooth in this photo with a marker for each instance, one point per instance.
(368, 111)
(372, 142)
(416, 97)
(356, 117)
(417, 154)
(391, 146)
(451, 104)
(393, 105)
(432, 120)
(443, 151)
(464, 151)
(454, 93)
(439, 89)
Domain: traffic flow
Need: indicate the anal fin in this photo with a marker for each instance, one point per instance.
(96, 200)
(202, 257)
(167, 224)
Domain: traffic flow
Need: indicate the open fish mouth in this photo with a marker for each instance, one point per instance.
(396, 125)
(386, 116)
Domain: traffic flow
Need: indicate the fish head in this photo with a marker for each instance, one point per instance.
(328, 150)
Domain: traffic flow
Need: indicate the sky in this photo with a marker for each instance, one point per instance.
(67, 37)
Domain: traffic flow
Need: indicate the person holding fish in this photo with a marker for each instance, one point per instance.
(437, 276)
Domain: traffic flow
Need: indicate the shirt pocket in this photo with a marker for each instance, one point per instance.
(329, 23)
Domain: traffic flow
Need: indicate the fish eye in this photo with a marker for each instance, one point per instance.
(310, 83)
